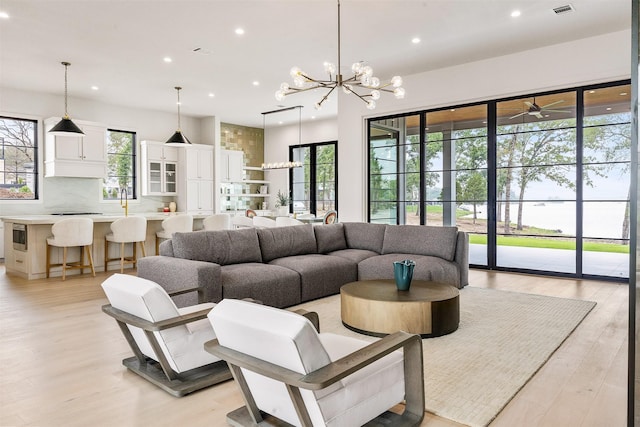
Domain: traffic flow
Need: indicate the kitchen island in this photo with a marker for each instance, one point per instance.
(28, 259)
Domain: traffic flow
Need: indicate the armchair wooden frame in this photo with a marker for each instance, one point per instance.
(250, 415)
(160, 372)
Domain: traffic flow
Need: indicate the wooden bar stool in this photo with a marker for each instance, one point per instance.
(130, 229)
(71, 232)
(172, 224)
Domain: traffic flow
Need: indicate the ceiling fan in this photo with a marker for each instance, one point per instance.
(536, 110)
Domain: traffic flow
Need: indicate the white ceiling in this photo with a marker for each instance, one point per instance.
(119, 45)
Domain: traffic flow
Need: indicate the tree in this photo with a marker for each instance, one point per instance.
(17, 149)
(475, 190)
(119, 163)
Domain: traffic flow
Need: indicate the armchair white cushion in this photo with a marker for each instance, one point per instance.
(284, 221)
(171, 336)
(263, 222)
(287, 340)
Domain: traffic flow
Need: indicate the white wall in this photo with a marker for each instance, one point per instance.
(592, 60)
(277, 140)
(78, 194)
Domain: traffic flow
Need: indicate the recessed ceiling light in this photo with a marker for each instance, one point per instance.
(515, 13)
(4, 15)
(256, 83)
(211, 94)
(415, 40)
(94, 88)
(167, 59)
(239, 31)
(313, 117)
(280, 122)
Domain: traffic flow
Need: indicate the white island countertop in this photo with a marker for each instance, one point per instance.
(107, 217)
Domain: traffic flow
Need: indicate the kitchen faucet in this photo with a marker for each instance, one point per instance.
(126, 201)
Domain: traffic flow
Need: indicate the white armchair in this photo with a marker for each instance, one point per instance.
(263, 222)
(285, 369)
(284, 221)
(167, 341)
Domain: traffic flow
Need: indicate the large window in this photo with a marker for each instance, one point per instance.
(18, 159)
(540, 182)
(121, 161)
(314, 185)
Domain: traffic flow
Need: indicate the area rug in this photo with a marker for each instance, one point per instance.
(503, 339)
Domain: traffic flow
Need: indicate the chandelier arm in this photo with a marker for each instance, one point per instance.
(293, 90)
(324, 98)
(362, 97)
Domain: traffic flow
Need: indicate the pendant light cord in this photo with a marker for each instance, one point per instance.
(66, 66)
(178, 90)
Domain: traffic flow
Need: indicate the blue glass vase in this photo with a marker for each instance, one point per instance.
(403, 273)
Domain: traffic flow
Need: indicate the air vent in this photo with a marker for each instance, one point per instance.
(563, 9)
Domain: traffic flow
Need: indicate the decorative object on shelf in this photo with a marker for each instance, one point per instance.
(403, 273)
(66, 126)
(178, 138)
(172, 206)
(289, 164)
(282, 203)
(362, 79)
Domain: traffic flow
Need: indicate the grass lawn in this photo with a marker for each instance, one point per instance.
(533, 242)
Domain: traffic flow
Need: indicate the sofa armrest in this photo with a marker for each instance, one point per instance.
(461, 257)
(177, 274)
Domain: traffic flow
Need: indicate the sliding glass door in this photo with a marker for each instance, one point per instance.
(540, 182)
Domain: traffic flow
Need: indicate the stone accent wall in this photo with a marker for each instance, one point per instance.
(246, 139)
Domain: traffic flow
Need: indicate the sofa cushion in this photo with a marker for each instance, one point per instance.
(330, 238)
(363, 235)
(355, 255)
(427, 268)
(278, 242)
(320, 275)
(272, 285)
(421, 240)
(221, 246)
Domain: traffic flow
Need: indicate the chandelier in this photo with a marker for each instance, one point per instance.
(289, 164)
(362, 83)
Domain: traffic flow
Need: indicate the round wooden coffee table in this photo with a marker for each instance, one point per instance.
(376, 307)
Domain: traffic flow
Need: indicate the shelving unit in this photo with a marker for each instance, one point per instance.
(237, 196)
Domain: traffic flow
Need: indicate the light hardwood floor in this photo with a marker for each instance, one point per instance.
(60, 362)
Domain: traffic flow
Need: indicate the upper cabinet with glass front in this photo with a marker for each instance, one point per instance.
(82, 156)
(159, 169)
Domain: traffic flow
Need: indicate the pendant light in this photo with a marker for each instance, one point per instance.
(66, 126)
(178, 139)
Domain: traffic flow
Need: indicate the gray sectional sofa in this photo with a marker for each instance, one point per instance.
(284, 266)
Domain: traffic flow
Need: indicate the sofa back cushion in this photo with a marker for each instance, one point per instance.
(421, 240)
(364, 235)
(330, 238)
(279, 242)
(221, 246)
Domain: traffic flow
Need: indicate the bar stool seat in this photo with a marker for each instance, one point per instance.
(71, 232)
(172, 224)
(130, 229)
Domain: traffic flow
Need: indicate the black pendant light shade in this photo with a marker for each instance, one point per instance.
(66, 126)
(178, 138)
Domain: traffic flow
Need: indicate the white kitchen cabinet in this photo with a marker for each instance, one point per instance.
(199, 162)
(82, 156)
(159, 169)
(195, 187)
(199, 197)
(231, 164)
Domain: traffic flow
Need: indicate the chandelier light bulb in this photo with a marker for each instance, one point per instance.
(280, 95)
(356, 67)
(371, 104)
(375, 82)
(367, 70)
(298, 81)
(399, 92)
(396, 81)
(318, 106)
(330, 68)
(365, 80)
(375, 94)
(284, 86)
(295, 71)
